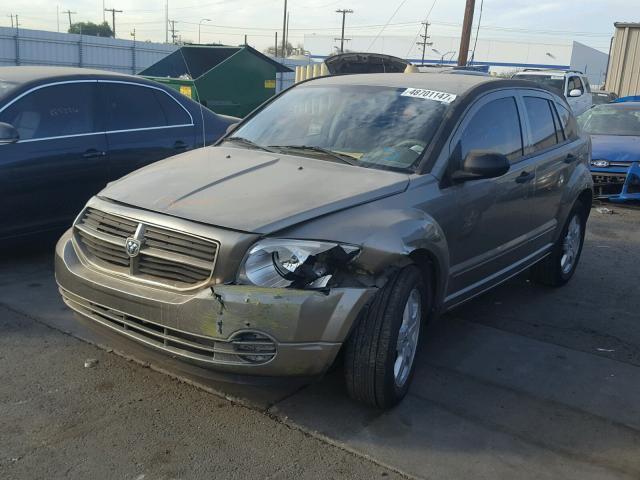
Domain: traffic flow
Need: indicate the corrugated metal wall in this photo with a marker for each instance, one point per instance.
(623, 74)
(37, 47)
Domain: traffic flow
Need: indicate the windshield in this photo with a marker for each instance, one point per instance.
(554, 82)
(611, 120)
(374, 127)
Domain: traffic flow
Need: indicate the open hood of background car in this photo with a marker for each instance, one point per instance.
(251, 190)
(616, 148)
(349, 63)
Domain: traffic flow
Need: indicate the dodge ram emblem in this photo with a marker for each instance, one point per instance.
(133, 247)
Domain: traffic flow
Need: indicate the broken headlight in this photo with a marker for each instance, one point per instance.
(294, 263)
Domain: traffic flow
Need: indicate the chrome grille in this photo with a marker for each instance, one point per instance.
(173, 258)
(243, 348)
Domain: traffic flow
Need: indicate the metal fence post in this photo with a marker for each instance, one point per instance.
(80, 59)
(133, 58)
(17, 46)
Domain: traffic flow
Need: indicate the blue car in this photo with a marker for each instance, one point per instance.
(615, 163)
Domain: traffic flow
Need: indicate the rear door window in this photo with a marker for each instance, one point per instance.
(495, 127)
(54, 111)
(130, 107)
(541, 125)
(173, 112)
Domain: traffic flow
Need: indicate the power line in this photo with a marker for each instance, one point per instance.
(386, 24)
(475, 42)
(426, 19)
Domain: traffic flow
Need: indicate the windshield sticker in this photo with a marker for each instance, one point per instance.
(429, 95)
(557, 77)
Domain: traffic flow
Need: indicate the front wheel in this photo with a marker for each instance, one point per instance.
(558, 268)
(380, 353)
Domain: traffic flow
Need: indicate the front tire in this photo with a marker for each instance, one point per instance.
(558, 268)
(380, 353)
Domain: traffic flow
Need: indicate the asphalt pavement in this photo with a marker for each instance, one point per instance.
(522, 382)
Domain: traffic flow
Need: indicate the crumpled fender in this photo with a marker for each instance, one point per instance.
(389, 235)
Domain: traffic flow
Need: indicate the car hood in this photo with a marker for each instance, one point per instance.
(251, 190)
(615, 148)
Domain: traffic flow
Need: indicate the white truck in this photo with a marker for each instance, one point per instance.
(573, 84)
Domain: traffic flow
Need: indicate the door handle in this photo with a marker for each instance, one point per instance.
(180, 145)
(525, 177)
(93, 154)
(570, 158)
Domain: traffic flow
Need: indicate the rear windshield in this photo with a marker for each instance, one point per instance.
(554, 82)
(369, 126)
(611, 120)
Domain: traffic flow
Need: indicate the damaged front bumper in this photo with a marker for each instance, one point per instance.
(230, 328)
(617, 184)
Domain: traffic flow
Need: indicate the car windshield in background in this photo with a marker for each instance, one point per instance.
(611, 120)
(554, 82)
(369, 126)
(601, 98)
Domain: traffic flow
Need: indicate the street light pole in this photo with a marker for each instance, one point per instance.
(200, 25)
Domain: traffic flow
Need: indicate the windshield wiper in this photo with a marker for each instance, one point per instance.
(343, 157)
(247, 142)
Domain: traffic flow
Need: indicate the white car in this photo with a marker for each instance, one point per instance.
(573, 84)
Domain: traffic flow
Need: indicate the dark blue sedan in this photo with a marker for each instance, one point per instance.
(615, 164)
(66, 132)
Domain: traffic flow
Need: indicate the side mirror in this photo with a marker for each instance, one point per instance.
(479, 164)
(8, 134)
(575, 93)
(231, 128)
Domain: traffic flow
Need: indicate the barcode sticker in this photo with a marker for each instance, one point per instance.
(429, 95)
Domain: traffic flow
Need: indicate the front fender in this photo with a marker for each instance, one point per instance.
(389, 236)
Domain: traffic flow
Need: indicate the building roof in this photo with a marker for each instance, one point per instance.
(626, 24)
(196, 61)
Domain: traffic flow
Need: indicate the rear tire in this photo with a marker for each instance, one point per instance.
(380, 353)
(558, 268)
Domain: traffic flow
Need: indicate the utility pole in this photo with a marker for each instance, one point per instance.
(11, 15)
(58, 17)
(465, 39)
(113, 19)
(173, 31)
(288, 20)
(166, 21)
(344, 16)
(284, 31)
(69, 12)
(275, 52)
(425, 37)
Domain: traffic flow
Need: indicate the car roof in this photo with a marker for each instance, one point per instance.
(444, 82)
(36, 73)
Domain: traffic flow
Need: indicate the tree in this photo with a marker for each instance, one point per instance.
(89, 28)
(289, 50)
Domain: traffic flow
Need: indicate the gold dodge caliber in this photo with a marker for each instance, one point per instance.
(342, 214)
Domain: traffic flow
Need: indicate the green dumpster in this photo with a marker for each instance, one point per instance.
(228, 80)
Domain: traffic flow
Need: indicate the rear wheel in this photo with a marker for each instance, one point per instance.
(558, 268)
(380, 353)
